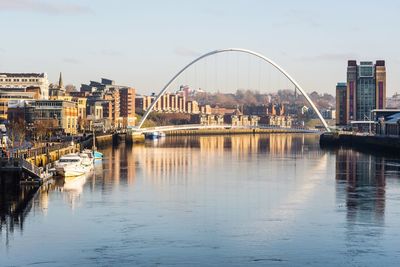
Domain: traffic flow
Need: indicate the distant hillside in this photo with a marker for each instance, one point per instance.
(249, 97)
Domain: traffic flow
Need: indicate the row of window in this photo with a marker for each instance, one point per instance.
(19, 80)
(15, 97)
(49, 104)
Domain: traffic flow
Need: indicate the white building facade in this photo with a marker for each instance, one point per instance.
(21, 81)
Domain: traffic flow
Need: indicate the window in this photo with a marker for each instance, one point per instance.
(366, 71)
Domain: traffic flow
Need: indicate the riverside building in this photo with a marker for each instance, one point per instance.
(341, 104)
(9, 98)
(117, 101)
(366, 89)
(18, 82)
(64, 113)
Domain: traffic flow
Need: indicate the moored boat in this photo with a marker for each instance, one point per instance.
(98, 155)
(73, 165)
(87, 160)
(154, 135)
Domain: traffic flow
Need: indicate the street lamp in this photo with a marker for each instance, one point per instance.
(369, 122)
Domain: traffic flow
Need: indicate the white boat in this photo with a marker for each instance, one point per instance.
(87, 160)
(73, 165)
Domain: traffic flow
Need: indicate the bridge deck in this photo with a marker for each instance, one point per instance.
(221, 126)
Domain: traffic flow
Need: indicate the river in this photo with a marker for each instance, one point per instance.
(268, 200)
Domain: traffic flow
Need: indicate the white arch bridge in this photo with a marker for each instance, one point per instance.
(240, 50)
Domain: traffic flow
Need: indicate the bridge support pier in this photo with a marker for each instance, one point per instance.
(135, 137)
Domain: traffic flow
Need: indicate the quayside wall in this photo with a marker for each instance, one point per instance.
(365, 142)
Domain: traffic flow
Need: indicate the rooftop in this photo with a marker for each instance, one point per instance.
(366, 63)
(8, 74)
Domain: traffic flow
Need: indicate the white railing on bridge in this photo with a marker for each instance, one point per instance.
(216, 126)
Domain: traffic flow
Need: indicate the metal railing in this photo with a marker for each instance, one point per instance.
(35, 151)
(30, 167)
(19, 163)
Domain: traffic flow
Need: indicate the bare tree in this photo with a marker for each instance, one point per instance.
(20, 130)
(41, 129)
(51, 126)
(70, 88)
(12, 132)
(82, 123)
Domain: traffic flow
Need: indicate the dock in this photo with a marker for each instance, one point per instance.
(22, 171)
(376, 143)
(31, 166)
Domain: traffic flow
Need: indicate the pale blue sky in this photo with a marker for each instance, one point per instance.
(143, 43)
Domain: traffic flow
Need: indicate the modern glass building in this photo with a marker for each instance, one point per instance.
(366, 89)
(365, 94)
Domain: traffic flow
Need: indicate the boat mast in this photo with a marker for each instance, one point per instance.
(94, 140)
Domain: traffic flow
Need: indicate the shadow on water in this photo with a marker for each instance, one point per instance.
(15, 204)
(17, 201)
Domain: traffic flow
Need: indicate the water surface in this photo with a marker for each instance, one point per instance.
(275, 200)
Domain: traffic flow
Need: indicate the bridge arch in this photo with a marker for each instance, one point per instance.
(165, 88)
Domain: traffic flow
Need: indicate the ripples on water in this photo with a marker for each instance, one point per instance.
(274, 200)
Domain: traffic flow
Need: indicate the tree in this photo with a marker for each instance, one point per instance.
(21, 131)
(52, 125)
(39, 130)
(70, 88)
(44, 128)
(12, 132)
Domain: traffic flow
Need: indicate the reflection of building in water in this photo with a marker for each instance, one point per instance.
(364, 178)
(166, 165)
(15, 204)
(360, 184)
(244, 145)
(275, 144)
(280, 144)
(161, 161)
(212, 144)
(119, 165)
(43, 197)
(17, 201)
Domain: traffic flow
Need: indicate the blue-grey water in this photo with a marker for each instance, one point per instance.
(268, 200)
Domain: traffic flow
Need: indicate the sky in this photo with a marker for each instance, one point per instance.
(144, 43)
